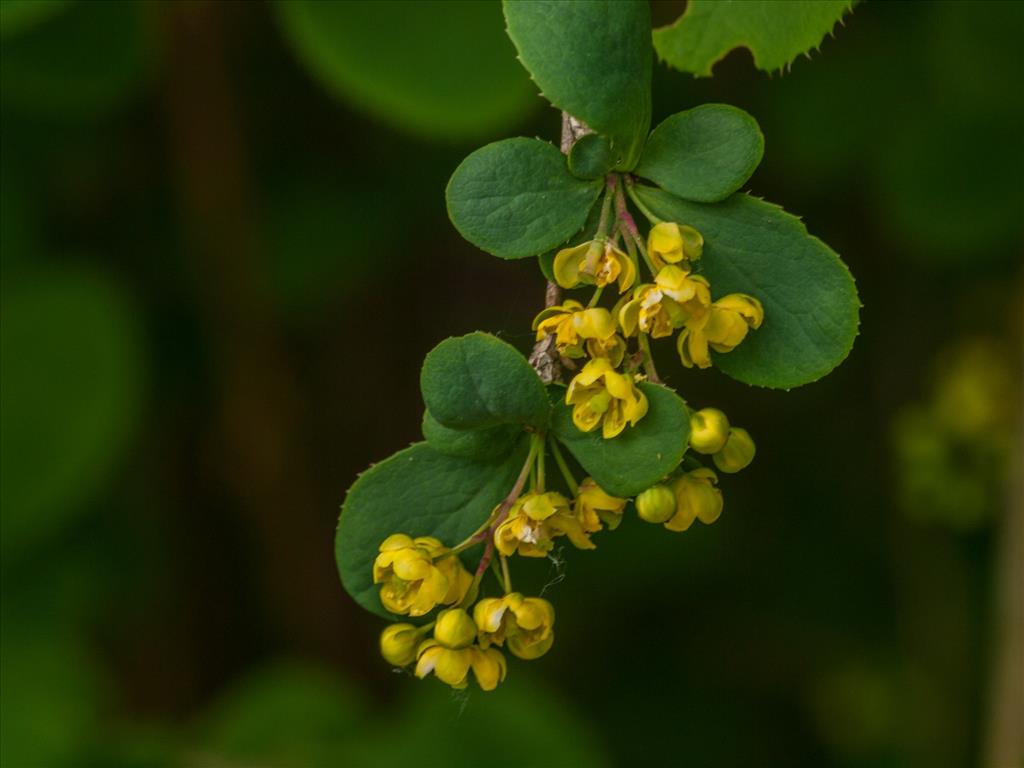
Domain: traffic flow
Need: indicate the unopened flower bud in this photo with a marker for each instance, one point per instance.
(709, 430)
(657, 504)
(455, 629)
(398, 644)
(737, 453)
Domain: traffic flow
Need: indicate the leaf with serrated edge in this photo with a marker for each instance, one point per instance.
(478, 380)
(703, 154)
(516, 198)
(811, 309)
(591, 58)
(775, 32)
(638, 457)
(419, 492)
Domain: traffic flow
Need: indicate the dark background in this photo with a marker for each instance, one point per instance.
(224, 257)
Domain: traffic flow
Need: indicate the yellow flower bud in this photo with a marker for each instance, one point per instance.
(737, 453)
(670, 243)
(657, 504)
(454, 629)
(709, 430)
(398, 644)
(696, 499)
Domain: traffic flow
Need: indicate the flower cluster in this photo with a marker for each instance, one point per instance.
(677, 299)
(422, 577)
(419, 574)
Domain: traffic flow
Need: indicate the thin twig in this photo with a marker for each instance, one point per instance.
(544, 358)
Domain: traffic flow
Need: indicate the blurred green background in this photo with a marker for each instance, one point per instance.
(224, 254)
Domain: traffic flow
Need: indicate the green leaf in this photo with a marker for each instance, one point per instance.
(591, 156)
(704, 154)
(420, 492)
(80, 63)
(440, 68)
(640, 456)
(775, 31)
(478, 381)
(516, 198)
(71, 379)
(591, 58)
(481, 444)
(811, 309)
(17, 16)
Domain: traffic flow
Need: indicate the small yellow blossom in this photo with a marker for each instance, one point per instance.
(524, 622)
(593, 507)
(737, 452)
(722, 328)
(412, 582)
(709, 429)
(670, 243)
(572, 324)
(398, 644)
(613, 349)
(657, 504)
(596, 262)
(659, 309)
(534, 521)
(450, 654)
(697, 498)
(601, 395)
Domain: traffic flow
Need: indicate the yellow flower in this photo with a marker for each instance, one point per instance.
(696, 499)
(659, 309)
(593, 507)
(572, 324)
(737, 452)
(412, 582)
(597, 262)
(709, 429)
(534, 521)
(722, 327)
(612, 348)
(657, 504)
(525, 622)
(450, 654)
(602, 395)
(398, 644)
(671, 243)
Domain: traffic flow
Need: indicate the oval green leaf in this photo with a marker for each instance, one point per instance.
(420, 492)
(640, 456)
(81, 63)
(703, 154)
(478, 381)
(516, 198)
(483, 444)
(72, 378)
(591, 58)
(775, 32)
(811, 309)
(591, 156)
(417, 64)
